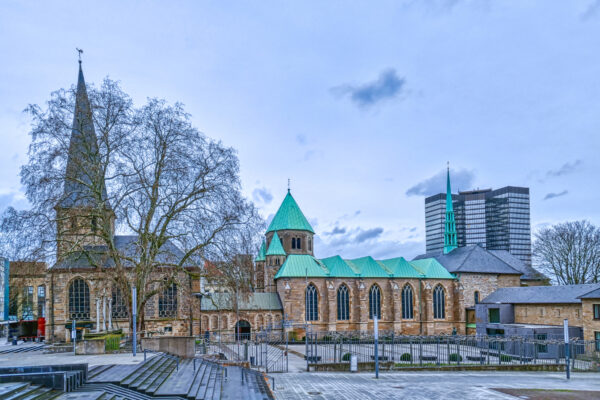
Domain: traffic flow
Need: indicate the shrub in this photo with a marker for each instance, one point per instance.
(112, 342)
(346, 357)
(406, 357)
(505, 358)
(454, 357)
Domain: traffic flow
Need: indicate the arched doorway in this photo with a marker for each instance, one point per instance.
(242, 330)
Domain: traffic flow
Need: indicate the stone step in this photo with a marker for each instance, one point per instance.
(114, 374)
(98, 369)
(81, 396)
(39, 393)
(179, 382)
(143, 368)
(200, 370)
(159, 376)
(206, 391)
(204, 383)
(21, 392)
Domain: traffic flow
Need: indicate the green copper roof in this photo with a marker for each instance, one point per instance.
(298, 266)
(253, 301)
(431, 268)
(289, 216)
(275, 247)
(450, 241)
(261, 252)
(401, 267)
(301, 265)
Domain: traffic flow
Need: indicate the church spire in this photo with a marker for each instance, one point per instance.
(84, 176)
(450, 242)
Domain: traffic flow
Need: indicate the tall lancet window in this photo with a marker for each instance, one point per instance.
(439, 302)
(312, 303)
(375, 302)
(167, 302)
(79, 300)
(343, 303)
(407, 302)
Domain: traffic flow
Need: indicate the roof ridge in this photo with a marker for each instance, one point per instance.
(507, 264)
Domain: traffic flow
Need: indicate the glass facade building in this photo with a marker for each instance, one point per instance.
(497, 219)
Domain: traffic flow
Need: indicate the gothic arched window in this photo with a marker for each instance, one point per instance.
(312, 303)
(476, 295)
(119, 306)
(343, 303)
(79, 300)
(439, 302)
(167, 302)
(407, 302)
(375, 302)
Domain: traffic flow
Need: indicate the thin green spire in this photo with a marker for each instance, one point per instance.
(450, 242)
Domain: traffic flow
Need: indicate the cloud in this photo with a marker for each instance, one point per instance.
(387, 86)
(262, 195)
(13, 199)
(554, 195)
(301, 139)
(368, 235)
(336, 231)
(462, 179)
(566, 168)
(591, 11)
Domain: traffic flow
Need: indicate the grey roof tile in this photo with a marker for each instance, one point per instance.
(541, 294)
(474, 258)
(594, 294)
(127, 245)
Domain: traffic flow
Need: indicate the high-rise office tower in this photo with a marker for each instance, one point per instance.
(496, 219)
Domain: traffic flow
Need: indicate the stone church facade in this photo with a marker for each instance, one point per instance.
(430, 295)
(81, 290)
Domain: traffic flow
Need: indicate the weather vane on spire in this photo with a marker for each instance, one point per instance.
(288, 185)
(448, 165)
(79, 51)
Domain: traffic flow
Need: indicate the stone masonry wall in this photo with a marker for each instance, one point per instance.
(292, 292)
(590, 325)
(548, 314)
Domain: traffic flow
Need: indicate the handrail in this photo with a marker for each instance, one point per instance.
(161, 354)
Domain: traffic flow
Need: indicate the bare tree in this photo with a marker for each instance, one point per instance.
(570, 252)
(145, 172)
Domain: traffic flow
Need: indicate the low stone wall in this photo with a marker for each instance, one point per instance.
(182, 346)
(95, 346)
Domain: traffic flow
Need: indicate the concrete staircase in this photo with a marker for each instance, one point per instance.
(158, 377)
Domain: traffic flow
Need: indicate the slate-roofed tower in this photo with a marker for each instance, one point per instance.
(83, 208)
(288, 233)
(450, 241)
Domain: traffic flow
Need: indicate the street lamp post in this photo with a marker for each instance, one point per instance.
(134, 315)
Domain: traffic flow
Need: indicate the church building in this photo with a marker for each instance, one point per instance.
(430, 295)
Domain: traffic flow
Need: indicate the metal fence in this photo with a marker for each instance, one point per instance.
(265, 350)
(435, 351)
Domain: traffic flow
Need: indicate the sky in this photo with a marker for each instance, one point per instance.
(360, 104)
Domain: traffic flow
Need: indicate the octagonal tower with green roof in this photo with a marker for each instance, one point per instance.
(288, 233)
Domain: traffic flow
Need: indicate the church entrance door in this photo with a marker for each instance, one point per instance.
(242, 330)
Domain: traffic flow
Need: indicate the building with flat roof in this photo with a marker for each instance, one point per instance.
(496, 219)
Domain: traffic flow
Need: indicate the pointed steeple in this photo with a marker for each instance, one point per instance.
(262, 252)
(275, 247)
(450, 242)
(289, 217)
(84, 174)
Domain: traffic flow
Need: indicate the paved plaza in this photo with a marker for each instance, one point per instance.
(418, 385)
